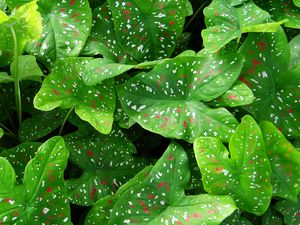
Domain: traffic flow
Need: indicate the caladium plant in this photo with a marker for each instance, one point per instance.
(149, 112)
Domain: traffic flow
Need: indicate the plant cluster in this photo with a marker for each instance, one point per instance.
(150, 112)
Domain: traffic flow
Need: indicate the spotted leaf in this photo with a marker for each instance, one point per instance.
(66, 26)
(282, 10)
(285, 162)
(64, 88)
(107, 163)
(225, 22)
(295, 52)
(101, 211)
(275, 87)
(290, 211)
(272, 217)
(160, 198)
(246, 175)
(102, 39)
(149, 30)
(41, 124)
(25, 24)
(240, 94)
(42, 196)
(19, 156)
(169, 100)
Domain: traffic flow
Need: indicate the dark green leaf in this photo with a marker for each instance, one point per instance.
(66, 26)
(169, 99)
(19, 156)
(149, 30)
(290, 211)
(64, 88)
(246, 175)
(276, 88)
(271, 217)
(160, 198)
(285, 162)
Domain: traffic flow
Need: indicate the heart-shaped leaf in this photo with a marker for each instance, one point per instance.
(240, 94)
(295, 52)
(101, 211)
(276, 88)
(24, 25)
(149, 30)
(19, 156)
(103, 40)
(41, 124)
(246, 175)
(66, 26)
(41, 199)
(225, 22)
(64, 88)
(169, 99)
(290, 211)
(107, 163)
(285, 162)
(282, 10)
(160, 198)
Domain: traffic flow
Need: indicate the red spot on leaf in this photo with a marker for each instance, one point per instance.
(141, 203)
(172, 22)
(242, 78)
(93, 103)
(90, 153)
(170, 157)
(219, 169)
(251, 162)
(262, 45)
(197, 215)
(150, 196)
(55, 92)
(103, 182)
(255, 63)
(232, 97)
(72, 2)
(146, 210)
(126, 12)
(185, 124)
(178, 222)
(62, 10)
(75, 15)
(93, 192)
(161, 185)
(172, 12)
(49, 190)
(212, 211)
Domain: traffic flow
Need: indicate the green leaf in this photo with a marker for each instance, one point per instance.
(1, 132)
(64, 88)
(225, 22)
(5, 78)
(282, 10)
(240, 94)
(66, 26)
(275, 87)
(295, 52)
(25, 24)
(297, 3)
(149, 30)
(16, 3)
(169, 100)
(290, 211)
(107, 163)
(285, 162)
(160, 198)
(41, 124)
(271, 217)
(19, 156)
(246, 175)
(3, 5)
(42, 196)
(102, 39)
(101, 211)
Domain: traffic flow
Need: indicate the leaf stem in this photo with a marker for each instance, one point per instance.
(8, 130)
(194, 15)
(65, 120)
(16, 76)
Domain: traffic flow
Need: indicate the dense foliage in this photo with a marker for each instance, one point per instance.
(150, 112)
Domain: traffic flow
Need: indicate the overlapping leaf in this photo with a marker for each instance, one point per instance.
(290, 211)
(66, 26)
(107, 163)
(24, 25)
(271, 217)
(42, 196)
(101, 211)
(169, 99)
(19, 156)
(246, 175)
(160, 198)
(102, 39)
(226, 22)
(149, 30)
(64, 88)
(41, 124)
(285, 162)
(276, 88)
(282, 10)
